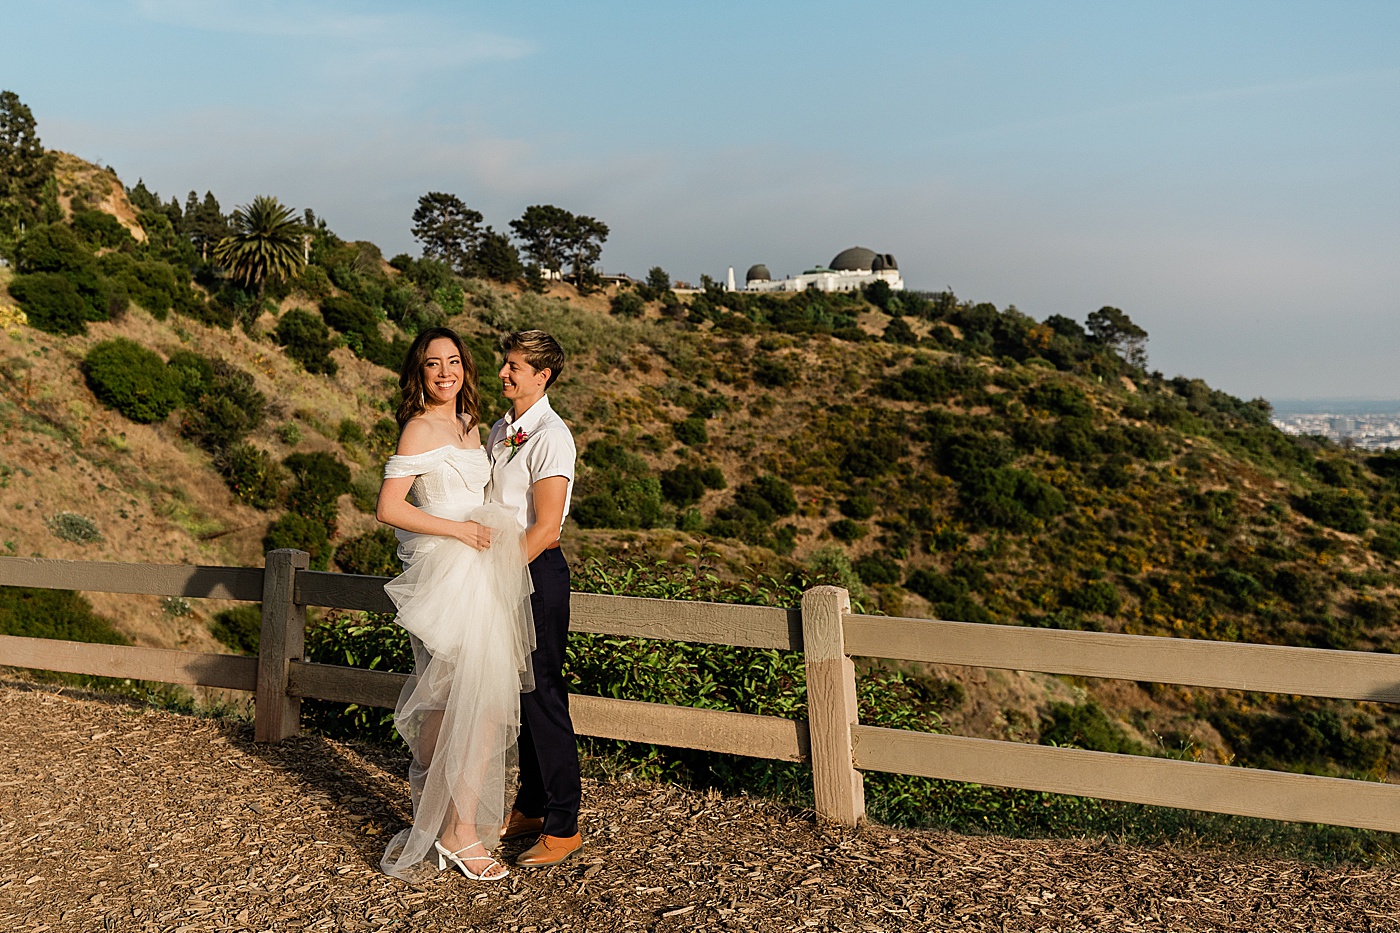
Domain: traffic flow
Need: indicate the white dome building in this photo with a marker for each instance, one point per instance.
(851, 270)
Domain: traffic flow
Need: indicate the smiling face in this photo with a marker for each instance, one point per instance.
(442, 372)
(521, 383)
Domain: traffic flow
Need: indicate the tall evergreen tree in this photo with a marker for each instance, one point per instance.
(266, 243)
(204, 222)
(543, 231)
(584, 239)
(448, 229)
(24, 165)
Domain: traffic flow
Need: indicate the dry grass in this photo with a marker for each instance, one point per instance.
(118, 817)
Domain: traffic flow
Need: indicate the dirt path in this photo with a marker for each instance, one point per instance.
(114, 818)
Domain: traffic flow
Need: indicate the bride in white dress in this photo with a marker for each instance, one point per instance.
(464, 597)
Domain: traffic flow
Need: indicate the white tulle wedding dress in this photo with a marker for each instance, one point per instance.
(469, 614)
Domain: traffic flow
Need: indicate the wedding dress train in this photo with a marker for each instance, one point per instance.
(468, 612)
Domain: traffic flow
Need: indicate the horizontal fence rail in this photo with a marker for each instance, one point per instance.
(836, 745)
(1162, 782)
(1346, 675)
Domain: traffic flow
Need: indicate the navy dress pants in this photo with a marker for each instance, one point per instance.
(549, 768)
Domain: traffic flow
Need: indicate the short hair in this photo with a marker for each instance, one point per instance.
(540, 350)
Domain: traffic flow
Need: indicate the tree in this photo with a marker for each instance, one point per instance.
(266, 243)
(1115, 330)
(25, 167)
(204, 223)
(447, 228)
(496, 258)
(657, 284)
(584, 239)
(544, 232)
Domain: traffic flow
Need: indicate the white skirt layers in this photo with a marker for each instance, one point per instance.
(469, 614)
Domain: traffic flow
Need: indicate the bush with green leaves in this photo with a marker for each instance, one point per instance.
(62, 614)
(302, 533)
(228, 408)
(374, 554)
(252, 474)
(307, 340)
(618, 489)
(1342, 509)
(685, 483)
(71, 526)
(627, 304)
(131, 379)
(691, 431)
(753, 513)
(239, 628)
(1085, 725)
(318, 482)
(51, 302)
(100, 229)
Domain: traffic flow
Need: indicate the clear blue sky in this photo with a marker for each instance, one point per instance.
(1225, 172)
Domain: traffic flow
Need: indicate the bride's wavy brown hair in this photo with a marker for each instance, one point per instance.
(413, 388)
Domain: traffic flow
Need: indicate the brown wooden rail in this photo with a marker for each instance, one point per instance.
(832, 740)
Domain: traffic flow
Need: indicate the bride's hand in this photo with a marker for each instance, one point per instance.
(475, 535)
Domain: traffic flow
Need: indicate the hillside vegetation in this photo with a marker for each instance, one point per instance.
(940, 457)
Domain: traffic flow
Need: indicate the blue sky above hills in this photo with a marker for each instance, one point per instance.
(1225, 172)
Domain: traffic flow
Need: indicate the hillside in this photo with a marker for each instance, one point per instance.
(943, 458)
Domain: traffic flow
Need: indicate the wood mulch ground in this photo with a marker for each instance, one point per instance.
(116, 817)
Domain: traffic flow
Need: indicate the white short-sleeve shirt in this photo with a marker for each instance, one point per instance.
(548, 450)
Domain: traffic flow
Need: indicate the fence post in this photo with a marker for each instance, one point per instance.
(276, 715)
(831, 705)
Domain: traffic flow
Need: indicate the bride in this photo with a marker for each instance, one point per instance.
(464, 598)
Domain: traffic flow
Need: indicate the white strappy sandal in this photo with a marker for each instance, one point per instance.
(445, 856)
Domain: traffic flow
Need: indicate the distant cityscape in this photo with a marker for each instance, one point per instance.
(1367, 425)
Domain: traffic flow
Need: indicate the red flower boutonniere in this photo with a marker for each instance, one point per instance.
(515, 442)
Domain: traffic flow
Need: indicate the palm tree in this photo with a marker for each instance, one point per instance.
(266, 243)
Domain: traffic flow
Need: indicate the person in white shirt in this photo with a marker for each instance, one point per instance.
(532, 469)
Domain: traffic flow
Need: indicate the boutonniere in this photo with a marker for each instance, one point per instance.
(515, 442)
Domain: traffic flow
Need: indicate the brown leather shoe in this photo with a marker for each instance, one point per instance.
(550, 850)
(518, 824)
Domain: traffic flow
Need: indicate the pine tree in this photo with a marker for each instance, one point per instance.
(24, 165)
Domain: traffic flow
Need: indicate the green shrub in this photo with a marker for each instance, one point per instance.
(52, 248)
(1009, 498)
(319, 480)
(682, 485)
(1101, 597)
(135, 381)
(618, 490)
(877, 569)
(228, 410)
(1386, 541)
(51, 302)
(307, 340)
(843, 529)
(691, 431)
(239, 628)
(304, 534)
(773, 373)
(100, 229)
(70, 526)
(1341, 509)
(374, 554)
(859, 507)
(923, 383)
(252, 475)
(1085, 725)
(191, 373)
(627, 304)
(62, 614)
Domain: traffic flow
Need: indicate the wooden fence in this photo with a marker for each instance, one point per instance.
(832, 740)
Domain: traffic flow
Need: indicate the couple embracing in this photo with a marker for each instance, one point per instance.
(485, 596)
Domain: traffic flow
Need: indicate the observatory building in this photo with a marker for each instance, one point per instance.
(851, 269)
